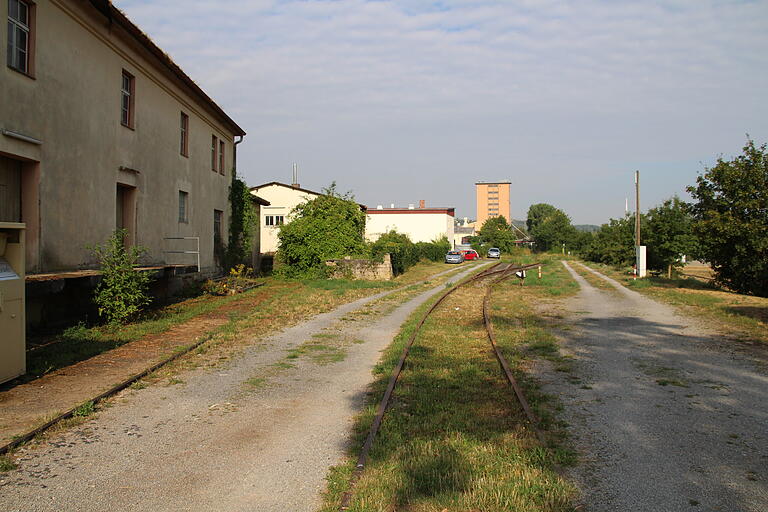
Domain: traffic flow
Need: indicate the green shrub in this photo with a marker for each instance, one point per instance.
(434, 250)
(403, 252)
(122, 292)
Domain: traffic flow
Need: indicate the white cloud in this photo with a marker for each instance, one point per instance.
(400, 99)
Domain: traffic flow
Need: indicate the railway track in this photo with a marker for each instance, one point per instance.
(499, 273)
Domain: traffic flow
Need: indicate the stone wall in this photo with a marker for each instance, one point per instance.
(361, 269)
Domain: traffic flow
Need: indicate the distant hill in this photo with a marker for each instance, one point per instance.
(589, 228)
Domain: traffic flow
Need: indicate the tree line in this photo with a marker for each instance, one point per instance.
(725, 225)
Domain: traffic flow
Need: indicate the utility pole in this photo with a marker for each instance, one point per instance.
(639, 249)
(637, 209)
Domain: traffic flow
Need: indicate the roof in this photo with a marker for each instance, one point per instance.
(292, 187)
(115, 15)
(432, 209)
(493, 182)
(260, 201)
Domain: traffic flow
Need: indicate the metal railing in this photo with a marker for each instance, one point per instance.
(197, 252)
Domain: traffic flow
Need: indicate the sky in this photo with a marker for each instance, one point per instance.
(398, 101)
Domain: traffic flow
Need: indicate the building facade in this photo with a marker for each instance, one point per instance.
(492, 200)
(101, 130)
(421, 224)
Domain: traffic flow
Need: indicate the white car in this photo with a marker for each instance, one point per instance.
(494, 252)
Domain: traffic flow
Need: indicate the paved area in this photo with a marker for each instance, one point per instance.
(666, 417)
(259, 434)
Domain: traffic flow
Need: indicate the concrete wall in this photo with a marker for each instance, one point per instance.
(282, 200)
(73, 106)
(419, 225)
(492, 200)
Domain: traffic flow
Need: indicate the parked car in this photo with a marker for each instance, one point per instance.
(493, 252)
(454, 257)
(470, 254)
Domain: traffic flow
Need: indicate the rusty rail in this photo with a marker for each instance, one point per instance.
(384, 403)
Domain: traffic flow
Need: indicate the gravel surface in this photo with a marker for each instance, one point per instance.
(665, 416)
(258, 434)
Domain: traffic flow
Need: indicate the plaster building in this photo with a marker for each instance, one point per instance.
(492, 201)
(421, 224)
(100, 130)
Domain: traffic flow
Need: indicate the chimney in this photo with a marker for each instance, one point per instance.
(295, 181)
(392, 205)
(379, 207)
(410, 206)
(422, 204)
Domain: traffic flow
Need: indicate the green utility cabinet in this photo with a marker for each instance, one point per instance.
(13, 357)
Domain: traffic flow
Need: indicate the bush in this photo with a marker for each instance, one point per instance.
(434, 250)
(403, 252)
(330, 226)
(122, 292)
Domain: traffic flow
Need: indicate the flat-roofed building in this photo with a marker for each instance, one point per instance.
(100, 129)
(492, 200)
(422, 224)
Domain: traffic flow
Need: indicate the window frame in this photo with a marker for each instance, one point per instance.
(28, 28)
(130, 93)
(214, 152)
(183, 207)
(222, 145)
(184, 135)
(274, 220)
(218, 221)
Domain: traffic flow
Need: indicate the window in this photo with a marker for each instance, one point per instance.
(127, 93)
(214, 146)
(20, 35)
(183, 206)
(221, 157)
(218, 215)
(184, 142)
(275, 220)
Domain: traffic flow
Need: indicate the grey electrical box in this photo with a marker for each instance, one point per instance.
(13, 345)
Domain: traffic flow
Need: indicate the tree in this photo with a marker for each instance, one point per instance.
(614, 243)
(731, 219)
(550, 227)
(327, 227)
(496, 232)
(669, 235)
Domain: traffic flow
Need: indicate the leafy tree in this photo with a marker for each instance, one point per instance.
(495, 232)
(550, 227)
(327, 227)
(614, 243)
(731, 219)
(537, 213)
(669, 234)
(434, 250)
(122, 292)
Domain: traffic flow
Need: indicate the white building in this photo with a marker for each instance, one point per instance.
(282, 200)
(421, 224)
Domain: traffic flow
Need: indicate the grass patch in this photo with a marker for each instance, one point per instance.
(256, 382)
(454, 438)
(84, 410)
(671, 382)
(320, 353)
(7, 464)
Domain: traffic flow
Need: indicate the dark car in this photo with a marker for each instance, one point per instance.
(454, 257)
(494, 252)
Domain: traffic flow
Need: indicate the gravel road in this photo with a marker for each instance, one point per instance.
(257, 435)
(666, 416)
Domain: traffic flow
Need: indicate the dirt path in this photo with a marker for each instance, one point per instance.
(665, 416)
(259, 434)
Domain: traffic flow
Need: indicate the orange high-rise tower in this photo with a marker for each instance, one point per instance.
(492, 201)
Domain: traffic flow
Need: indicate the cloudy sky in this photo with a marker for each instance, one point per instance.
(405, 100)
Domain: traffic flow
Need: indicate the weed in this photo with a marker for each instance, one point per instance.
(172, 381)
(84, 410)
(256, 382)
(139, 384)
(7, 464)
(671, 382)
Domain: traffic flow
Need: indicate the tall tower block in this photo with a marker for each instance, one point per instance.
(492, 200)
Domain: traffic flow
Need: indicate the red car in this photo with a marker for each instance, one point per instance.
(470, 255)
